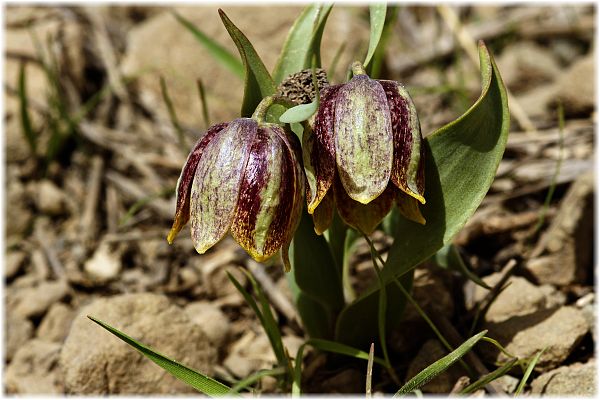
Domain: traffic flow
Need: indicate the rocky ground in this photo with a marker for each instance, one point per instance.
(86, 224)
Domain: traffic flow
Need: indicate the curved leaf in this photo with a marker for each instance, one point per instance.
(439, 366)
(257, 80)
(219, 53)
(461, 162)
(297, 46)
(377, 19)
(195, 379)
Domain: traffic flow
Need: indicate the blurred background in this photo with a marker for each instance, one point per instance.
(93, 154)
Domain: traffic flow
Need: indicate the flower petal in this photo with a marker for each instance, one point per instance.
(216, 185)
(408, 170)
(323, 214)
(363, 138)
(319, 149)
(184, 183)
(363, 217)
(409, 208)
(270, 197)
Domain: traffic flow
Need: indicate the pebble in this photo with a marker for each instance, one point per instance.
(14, 262)
(56, 323)
(49, 198)
(559, 331)
(104, 265)
(94, 362)
(34, 301)
(18, 331)
(572, 380)
(211, 319)
(34, 369)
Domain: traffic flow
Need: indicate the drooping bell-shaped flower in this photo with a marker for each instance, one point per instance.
(363, 154)
(243, 177)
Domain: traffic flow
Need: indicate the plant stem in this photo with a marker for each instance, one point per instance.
(358, 68)
(261, 110)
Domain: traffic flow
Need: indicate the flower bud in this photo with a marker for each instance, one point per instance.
(243, 177)
(366, 143)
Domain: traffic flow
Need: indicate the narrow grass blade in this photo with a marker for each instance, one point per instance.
(439, 366)
(219, 53)
(203, 102)
(377, 19)
(172, 114)
(26, 126)
(448, 257)
(528, 372)
(484, 380)
(244, 383)
(297, 382)
(339, 348)
(369, 380)
(315, 43)
(335, 61)
(197, 380)
(257, 80)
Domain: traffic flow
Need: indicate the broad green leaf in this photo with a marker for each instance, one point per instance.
(26, 126)
(219, 53)
(315, 43)
(257, 81)
(195, 379)
(439, 366)
(297, 45)
(448, 257)
(484, 380)
(528, 372)
(377, 19)
(314, 269)
(339, 348)
(461, 159)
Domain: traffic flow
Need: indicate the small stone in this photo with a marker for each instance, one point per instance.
(34, 301)
(211, 319)
(56, 324)
(18, 331)
(508, 383)
(49, 198)
(429, 353)
(519, 298)
(559, 331)
(104, 265)
(572, 380)
(34, 369)
(95, 362)
(576, 88)
(14, 262)
(20, 215)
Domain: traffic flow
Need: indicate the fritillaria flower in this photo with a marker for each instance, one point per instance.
(364, 153)
(243, 177)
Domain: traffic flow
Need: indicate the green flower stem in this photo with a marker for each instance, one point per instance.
(261, 110)
(358, 68)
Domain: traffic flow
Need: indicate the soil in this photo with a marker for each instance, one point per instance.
(89, 211)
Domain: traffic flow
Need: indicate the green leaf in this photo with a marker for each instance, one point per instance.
(258, 84)
(299, 113)
(484, 380)
(439, 366)
(26, 126)
(377, 18)
(461, 159)
(297, 45)
(339, 348)
(195, 379)
(315, 43)
(219, 53)
(297, 382)
(448, 257)
(528, 372)
(316, 276)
